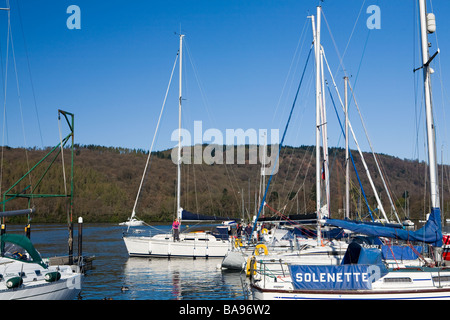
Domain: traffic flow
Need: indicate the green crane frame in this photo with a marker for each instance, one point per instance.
(56, 151)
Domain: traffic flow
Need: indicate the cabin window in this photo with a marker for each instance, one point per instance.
(397, 280)
(438, 279)
(198, 239)
(14, 251)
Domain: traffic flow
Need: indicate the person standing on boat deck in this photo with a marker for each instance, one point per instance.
(239, 230)
(248, 231)
(176, 230)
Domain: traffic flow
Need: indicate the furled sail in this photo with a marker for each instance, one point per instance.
(430, 233)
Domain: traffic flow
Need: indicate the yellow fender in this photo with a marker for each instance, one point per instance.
(258, 251)
(237, 242)
(251, 265)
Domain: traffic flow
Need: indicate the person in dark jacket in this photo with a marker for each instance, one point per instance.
(248, 230)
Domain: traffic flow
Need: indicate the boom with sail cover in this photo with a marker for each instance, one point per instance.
(190, 216)
(430, 233)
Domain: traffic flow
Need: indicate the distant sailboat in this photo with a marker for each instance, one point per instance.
(132, 221)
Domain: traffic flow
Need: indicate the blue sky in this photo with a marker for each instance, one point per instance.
(241, 70)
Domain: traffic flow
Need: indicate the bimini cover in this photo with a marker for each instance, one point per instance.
(19, 247)
(430, 233)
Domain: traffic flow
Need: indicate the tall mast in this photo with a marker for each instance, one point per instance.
(347, 163)
(431, 134)
(263, 169)
(323, 124)
(316, 33)
(179, 131)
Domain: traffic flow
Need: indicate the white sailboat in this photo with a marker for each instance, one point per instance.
(25, 276)
(132, 222)
(362, 273)
(306, 250)
(195, 244)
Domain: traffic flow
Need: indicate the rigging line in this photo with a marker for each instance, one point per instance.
(291, 222)
(4, 125)
(354, 190)
(5, 132)
(298, 120)
(153, 141)
(211, 118)
(288, 168)
(302, 185)
(286, 200)
(282, 140)
(231, 182)
(62, 156)
(351, 157)
(440, 78)
(29, 71)
(2, 154)
(195, 189)
(351, 130)
(300, 41)
(339, 56)
(19, 98)
(418, 121)
(341, 62)
(359, 149)
(351, 34)
(417, 115)
(207, 185)
(199, 84)
(374, 155)
(360, 61)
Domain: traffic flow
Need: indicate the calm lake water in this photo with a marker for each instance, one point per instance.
(145, 279)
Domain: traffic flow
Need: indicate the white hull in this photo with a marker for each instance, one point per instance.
(191, 245)
(63, 289)
(435, 294)
(312, 254)
(34, 286)
(234, 260)
(400, 284)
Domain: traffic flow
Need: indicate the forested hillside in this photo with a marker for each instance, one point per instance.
(106, 182)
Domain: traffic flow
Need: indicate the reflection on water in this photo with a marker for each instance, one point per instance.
(118, 277)
(180, 279)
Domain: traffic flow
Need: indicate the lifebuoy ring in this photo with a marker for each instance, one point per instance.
(258, 249)
(264, 231)
(251, 266)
